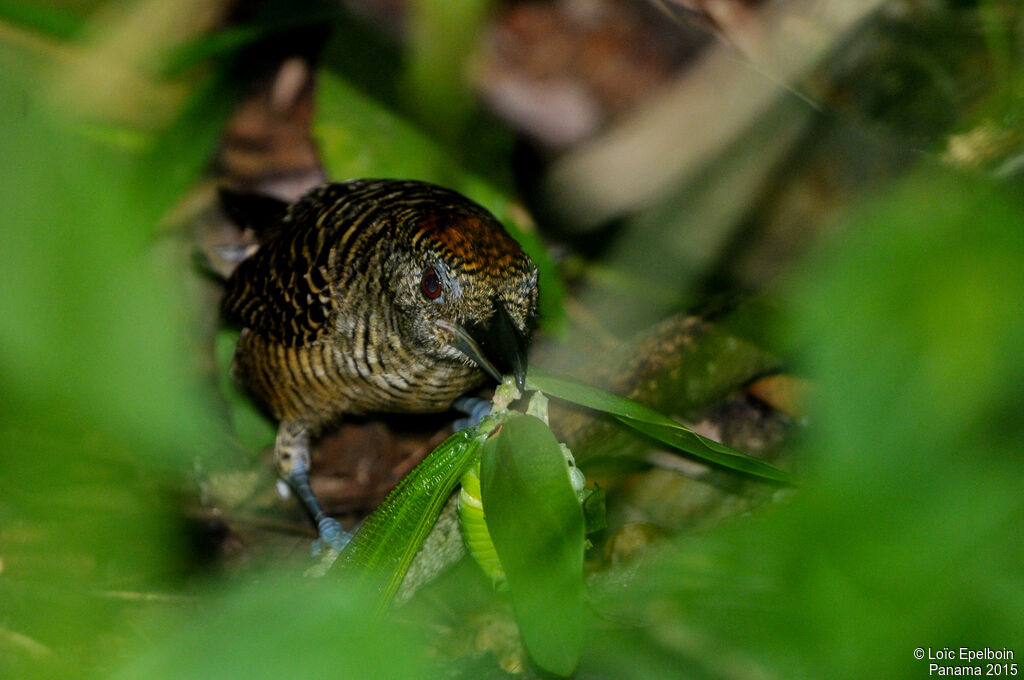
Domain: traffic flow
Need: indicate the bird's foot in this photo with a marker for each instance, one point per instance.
(475, 410)
(332, 536)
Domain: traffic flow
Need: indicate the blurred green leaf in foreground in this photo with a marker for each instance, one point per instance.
(101, 416)
(906, 532)
(283, 627)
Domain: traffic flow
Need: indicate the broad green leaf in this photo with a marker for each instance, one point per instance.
(358, 137)
(653, 424)
(536, 522)
(382, 550)
(442, 38)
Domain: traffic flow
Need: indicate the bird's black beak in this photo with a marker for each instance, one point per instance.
(498, 346)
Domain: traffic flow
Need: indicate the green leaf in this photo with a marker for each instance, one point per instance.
(442, 38)
(358, 137)
(105, 408)
(653, 424)
(382, 550)
(685, 439)
(537, 525)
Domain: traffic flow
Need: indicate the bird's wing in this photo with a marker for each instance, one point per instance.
(282, 291)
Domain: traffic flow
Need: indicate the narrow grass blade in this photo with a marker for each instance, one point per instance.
(653, 424)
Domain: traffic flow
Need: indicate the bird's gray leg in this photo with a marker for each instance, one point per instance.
(475, 410)
(291, 452)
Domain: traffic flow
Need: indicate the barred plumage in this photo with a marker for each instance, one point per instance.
(375, 295)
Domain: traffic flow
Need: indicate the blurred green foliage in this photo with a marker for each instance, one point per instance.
(281, 627)
(442, 33)
(60, 23)
(101, 414)
(905, 531)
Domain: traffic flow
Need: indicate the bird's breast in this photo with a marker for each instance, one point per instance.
(324, 380)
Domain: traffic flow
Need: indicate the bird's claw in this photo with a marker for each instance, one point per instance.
(475, 410)
(332, 536)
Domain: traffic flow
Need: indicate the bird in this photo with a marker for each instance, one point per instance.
(372, 296)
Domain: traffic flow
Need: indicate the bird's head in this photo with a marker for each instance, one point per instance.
(465, 290)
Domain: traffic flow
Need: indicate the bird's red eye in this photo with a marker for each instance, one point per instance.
(431, 284)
